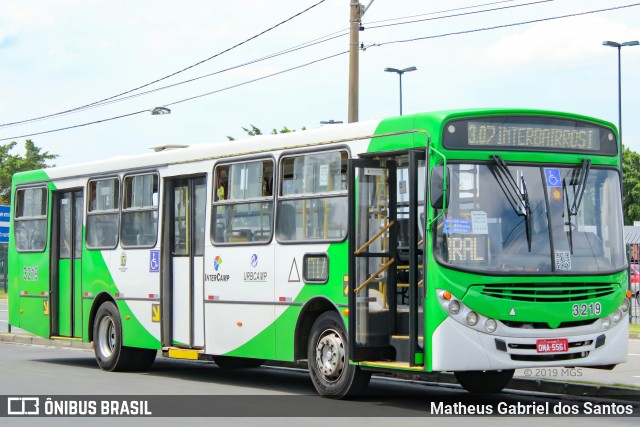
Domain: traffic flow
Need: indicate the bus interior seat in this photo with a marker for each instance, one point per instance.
(403, 238)
(241, 235)
(286, 219)
(220, 233)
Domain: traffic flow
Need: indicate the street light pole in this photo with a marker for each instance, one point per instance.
(400, 73)
(619, 47)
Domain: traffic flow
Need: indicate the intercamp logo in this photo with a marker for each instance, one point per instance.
(217, 261)
(23, 406)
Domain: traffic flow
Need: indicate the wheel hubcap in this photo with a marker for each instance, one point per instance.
(330, 355)
(106, 336)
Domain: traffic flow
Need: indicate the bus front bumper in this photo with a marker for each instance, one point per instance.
(457, 347)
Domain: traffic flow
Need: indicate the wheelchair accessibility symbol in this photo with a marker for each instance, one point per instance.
(154, 261)
(553, 177)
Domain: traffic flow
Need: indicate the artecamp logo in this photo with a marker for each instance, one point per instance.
(254, 260)
(217, 261)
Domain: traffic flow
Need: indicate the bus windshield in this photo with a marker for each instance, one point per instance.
(541, 219)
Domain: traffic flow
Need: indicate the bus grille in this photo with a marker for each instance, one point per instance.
(554, 292)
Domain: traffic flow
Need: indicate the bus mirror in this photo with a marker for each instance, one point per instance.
(436, 189)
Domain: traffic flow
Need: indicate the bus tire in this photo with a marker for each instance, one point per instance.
(111, 355)
(484, 382)
(328, 352)
(227, 362)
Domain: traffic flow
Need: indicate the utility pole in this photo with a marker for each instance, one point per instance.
(354, 60)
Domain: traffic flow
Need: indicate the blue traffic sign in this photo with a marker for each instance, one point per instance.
(5, 219)
(4, 234)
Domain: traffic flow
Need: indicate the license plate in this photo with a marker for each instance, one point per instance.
(559, 345)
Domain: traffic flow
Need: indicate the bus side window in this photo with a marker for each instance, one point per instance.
(30, 220)
(103, 216)
(242, 208)
(140, 210)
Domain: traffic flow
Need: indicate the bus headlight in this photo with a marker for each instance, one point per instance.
(472, 318)
(490, 325)
(616, 316)
(454, 307)
(606, 322)
(625, 305)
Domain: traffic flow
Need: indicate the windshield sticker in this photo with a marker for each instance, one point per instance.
(553, 177)
(479, 222)
(457, 226)
(563, 260)
(556, 194)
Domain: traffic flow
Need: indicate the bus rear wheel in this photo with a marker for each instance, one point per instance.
(484, 382)
(111, 355)
(226, 362)
(328, 355)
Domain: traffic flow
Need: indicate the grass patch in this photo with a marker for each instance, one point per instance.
(633, 328)
(3, 294)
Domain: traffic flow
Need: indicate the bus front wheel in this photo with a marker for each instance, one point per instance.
(111, 355)
(328, 355)
(484, 382)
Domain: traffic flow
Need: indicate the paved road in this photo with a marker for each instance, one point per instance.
(41, 370)
(625, 373)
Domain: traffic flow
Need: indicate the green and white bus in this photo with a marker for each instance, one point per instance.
(470, 241)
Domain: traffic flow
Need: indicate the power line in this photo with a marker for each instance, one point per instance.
(181, 100)
(461, 14)
(322, 39)
(301, 46)
(495, 27)
(333, 56)
(172, 74)
(328, 37)
(440, 11)
(257, 79)
(75, 126)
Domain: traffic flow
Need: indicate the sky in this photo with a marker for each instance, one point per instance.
(57, 55)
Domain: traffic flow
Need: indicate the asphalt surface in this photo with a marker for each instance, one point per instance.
(266, 392)
(623, 380)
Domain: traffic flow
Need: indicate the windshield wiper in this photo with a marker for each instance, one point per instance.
(579, 180)
(518, 197)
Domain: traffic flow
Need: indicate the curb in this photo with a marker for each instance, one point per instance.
(34, 340)
(520, 384)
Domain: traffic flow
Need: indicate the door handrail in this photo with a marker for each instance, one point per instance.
(374, 275)
(373, 239)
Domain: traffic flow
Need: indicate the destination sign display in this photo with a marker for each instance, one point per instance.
(529, 133)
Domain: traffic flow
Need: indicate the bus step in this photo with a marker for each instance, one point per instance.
(401, 344)
(182, 353)
(65, 338)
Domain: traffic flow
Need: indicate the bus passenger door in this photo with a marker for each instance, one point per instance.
(183, 294)
(386, 289)
(66, 256)
(372, 266)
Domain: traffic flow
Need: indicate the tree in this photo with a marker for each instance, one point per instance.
(34, 158)
(256, 131)
(631, 187)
